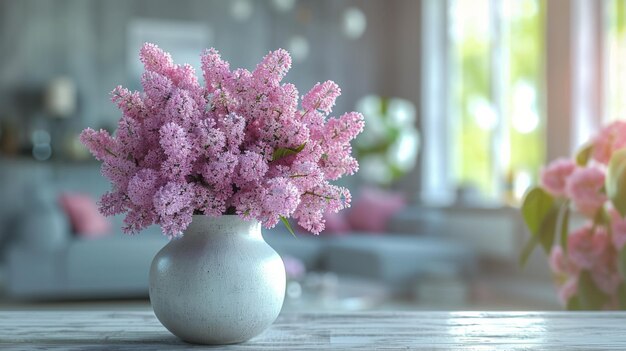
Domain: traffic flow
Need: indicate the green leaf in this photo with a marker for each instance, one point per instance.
(621, 262)
(564, 226)
(288, 226)
(616, 181)
(547, 231)
(584, 154)
(590, 296)
(536, 206)
(573, 304)
(541, 215)
(282, 152)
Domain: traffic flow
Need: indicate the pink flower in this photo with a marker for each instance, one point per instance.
(310, 213)
(102, 146)
(568, 289)
(560, 263)
(119, 171)
(565, 273)
(584, 187)
(610, 139)
(593, 252)
(305, 175)
(233, 128)
(585, 247)
(280, 199)
(237, 144)
(339, 161)
(113, 203)
(181, 109)
(173, 198)
(137, 219)
(272, 68)
(219, 172)
(208, 140)
(604, 272)
(247, 202)
(177, 147)
(215, 70)
(554, 176)
(251, 168)
(131, 103)
(185, 78)
(321, 97)
(156, 86)
(173, 206)
(142, 187)
(208, 201)
(155, 59)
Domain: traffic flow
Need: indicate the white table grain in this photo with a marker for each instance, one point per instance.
(140, 330)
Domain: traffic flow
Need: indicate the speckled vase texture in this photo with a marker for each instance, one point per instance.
(221, 283)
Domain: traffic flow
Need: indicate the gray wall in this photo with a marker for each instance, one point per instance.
(86, 40)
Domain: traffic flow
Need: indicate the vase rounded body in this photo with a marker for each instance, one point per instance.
(221, 283)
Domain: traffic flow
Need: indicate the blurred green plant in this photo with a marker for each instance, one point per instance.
(387, 148)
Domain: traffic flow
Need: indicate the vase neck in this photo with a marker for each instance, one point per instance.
(223, 225)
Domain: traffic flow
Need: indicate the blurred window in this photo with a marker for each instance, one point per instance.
(496, 73)
(615, 72)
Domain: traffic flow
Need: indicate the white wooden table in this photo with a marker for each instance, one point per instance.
(102, 330)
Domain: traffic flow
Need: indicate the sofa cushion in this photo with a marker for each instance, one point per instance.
(40, 224)
(83, 214)
(373, 209)
(44, 229)
(116, 265)
(21, 185)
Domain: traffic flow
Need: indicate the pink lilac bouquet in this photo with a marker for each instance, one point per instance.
(589, 261)
(237, 145)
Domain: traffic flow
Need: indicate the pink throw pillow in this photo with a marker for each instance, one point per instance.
(84, 216)
(336, 223)
(373, 209)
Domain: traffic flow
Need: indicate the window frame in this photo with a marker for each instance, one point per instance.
(574, 88)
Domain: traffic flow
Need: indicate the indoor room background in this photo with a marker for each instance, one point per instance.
(464, 103)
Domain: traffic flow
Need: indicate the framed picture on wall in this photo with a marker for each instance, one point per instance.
(183, 39)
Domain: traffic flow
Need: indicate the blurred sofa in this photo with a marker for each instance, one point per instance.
(44, 259)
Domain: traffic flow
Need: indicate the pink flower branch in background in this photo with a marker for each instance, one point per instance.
(588, 262)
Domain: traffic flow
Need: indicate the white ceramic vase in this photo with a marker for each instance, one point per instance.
(221, 283)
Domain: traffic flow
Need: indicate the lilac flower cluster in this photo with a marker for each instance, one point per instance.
(237, 145)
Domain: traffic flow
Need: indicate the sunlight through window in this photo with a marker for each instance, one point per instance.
(497, 93)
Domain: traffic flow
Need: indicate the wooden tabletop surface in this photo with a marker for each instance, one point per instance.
(140, 330)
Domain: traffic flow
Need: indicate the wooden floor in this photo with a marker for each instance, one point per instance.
(140, 330)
